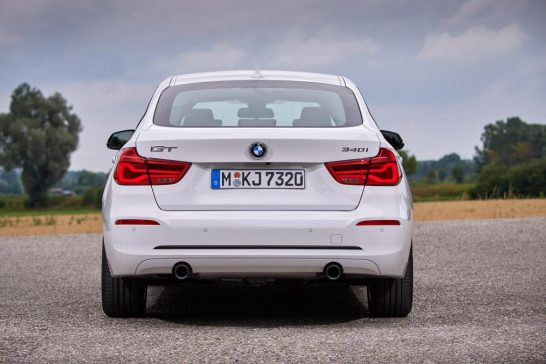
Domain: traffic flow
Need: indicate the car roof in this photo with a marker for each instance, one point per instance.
(256, 75)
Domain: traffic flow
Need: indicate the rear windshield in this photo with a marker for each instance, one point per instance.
(257, 104)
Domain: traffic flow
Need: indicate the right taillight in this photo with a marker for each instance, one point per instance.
(381, 170)
(132, 169)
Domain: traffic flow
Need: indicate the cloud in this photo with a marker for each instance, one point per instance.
(294, 51)
(471, 9)
(7, 39)
(474, 43)
(297, 50)
(534, 66)
(220, 56)
(21, 23)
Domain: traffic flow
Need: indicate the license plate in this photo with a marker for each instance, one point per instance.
(257, 179)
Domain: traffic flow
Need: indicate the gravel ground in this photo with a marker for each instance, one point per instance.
(479, 296)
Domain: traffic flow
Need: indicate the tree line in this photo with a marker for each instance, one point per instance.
(449, 168)
(510, 163)
(512, 160)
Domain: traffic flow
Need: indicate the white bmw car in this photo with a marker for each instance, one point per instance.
(257, 176)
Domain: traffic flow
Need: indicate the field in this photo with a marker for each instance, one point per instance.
(479, 209)
(89, 221)
(51, 224)
(440, 191)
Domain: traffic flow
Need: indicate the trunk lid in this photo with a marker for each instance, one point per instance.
(228, 149)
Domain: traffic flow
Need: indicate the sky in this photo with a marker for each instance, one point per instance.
(434, 71)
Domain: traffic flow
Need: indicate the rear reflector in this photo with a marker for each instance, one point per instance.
(166, 172)
(352, 172)
(381, 170)
(378, 222)
(132, 169)
(136, 222)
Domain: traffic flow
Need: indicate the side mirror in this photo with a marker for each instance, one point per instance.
(394, 139)
(118, 139)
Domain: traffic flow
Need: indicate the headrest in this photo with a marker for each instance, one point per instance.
(255, 112)
(313, 116)
(257, 123)
(201, 117)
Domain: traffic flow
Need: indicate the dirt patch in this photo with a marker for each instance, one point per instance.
(50, 224)
(479, 209)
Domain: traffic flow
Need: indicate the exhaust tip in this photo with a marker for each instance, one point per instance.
(182, 271)
(333, 271)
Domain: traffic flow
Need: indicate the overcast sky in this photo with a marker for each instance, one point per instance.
(435, 71)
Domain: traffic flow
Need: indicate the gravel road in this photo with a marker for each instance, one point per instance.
(480, 295)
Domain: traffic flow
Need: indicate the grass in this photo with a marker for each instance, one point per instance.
(70, 223)
(43, 212)
(440, 191)
(57, 205)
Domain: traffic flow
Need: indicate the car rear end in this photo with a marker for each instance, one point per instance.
(267, 177)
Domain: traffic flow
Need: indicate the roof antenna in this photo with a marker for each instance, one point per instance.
(257, 73)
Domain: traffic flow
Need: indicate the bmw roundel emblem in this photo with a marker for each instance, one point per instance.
(258, 150)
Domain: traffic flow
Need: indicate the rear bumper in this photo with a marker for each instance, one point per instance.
(261, 244)
(306, 267)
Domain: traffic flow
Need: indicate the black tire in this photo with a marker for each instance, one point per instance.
(121, 297)
(392, 297)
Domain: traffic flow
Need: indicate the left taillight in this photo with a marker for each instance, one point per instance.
(132, 169)
(381, 170)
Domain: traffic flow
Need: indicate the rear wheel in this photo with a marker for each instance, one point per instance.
(392, 297)
(121, 296)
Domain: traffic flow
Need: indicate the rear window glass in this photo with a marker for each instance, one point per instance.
(257, 104)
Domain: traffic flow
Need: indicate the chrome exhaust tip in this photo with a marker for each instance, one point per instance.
(182, 271)
(333, 271)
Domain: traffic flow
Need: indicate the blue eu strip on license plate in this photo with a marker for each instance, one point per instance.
(215, 179)
(257, 179)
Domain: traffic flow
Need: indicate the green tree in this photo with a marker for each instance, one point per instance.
(92, 197)
(409, 162)
(79, 181)
(448, 160)
(511, 142)
(512, 160)
(432, 176)
(528, 179)
(38, 134)
(522, 180)
(444, 167)
(10, 183)
(457, 173)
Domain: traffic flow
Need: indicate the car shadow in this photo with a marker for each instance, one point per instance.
(256, 306)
